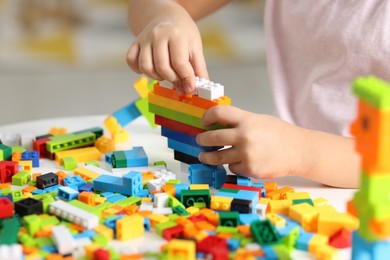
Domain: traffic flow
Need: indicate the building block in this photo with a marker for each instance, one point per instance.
(264, 232)
(185, 148)
(5, 152)
(73, 214)
(63, 240)
(178, 126)
(180, 249)
(47, 180)
(28, 206)
(208, 89)
(129, 158)
(341, 239)
(190, 197)
(185, 158)
(40, 146)
(21, 178)
(97, 131)
(74, 182)
(67, 193)
(130, 227)
(242, 187)
(31, 156)
(70, 141)
(14, 251)
(25, 166)
(6, 208)
(112, 125)
(143, 107)
(105, 144)
(69, 163)
(126, 114)
(80, 155)
(7, 170)
(9, 228)
(123, 136)
(141, 86)
(129, 184)
(229, 219)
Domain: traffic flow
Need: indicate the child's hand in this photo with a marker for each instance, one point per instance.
(262, 146)
(169, 49)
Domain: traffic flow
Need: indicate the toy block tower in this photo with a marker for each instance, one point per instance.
(180, 116)
(371, 204)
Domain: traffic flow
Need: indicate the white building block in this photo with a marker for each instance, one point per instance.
(161, 200)
(163, 211)
(79, 250)
(63, 240)
(13, 252)
(146, 206)
(261, 210)
(155, 184)
(73, 214)
(211, 91)
(97, 170)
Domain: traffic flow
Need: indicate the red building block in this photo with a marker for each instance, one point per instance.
(341, 239)
(242, 187)
(173, 232)
(178, 126)
(40, 146)
(215, 246)
(7, 170)
(6, 208)
(101, 254)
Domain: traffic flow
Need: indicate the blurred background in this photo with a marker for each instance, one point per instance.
(67, 58)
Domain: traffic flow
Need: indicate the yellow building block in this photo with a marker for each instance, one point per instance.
(276, 220)
(264, 200)
(100, 200)
(156, 218)
(279, 206)
(148, 199)
(297, 195)
(112, 125)
(317, 242)
(80, 155)
(130, 227)
(181, 249)
(331, 222)
(90, 249)
(306, 215)
(85, 173)
(192, 210)
(320, 202)
(141, 86)
(221, 203)
(57, 131)
(27, 165)
(186, 108)
(105, 231)
(201, 235)
(199, 187)
(105, 144)
(327, 252)
(270, 186)
(121, 137)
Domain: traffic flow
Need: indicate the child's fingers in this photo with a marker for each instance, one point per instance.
(132, 58)
(224, 115)
(222, 137)
(162, 62)
(180, 62)
(199, 64)
(241, 169)
(226, 156)
(145, 63)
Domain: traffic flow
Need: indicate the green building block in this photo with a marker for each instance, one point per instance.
(172, 181)
(18, 149)
(27, 240)
(200, 205)
(229, 218)
(190, 197)
(161, 226)
(69, 163)
(160, 163)
(100, 240)
(9, 229)
(49, 221)
(290, 240)
(282, 251)
(173, 202)
(229, 190)
(94, 163)
(44, 241)
(32, 223)
(264, 233)
(143, 108)
(129, 201)
(17, 195)
(69, 141)
(181, 117)
(5, 191)
(180, 211)
(374, 91)
(97, 131)
(226, 229)
(298, 201)
(21, 178)
(5, 153)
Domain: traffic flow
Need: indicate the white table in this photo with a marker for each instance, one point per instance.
(141, 134)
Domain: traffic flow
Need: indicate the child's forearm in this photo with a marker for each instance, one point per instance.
(141, 12)
(330, 159)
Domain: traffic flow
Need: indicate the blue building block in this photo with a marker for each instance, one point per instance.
(31, 156)
(219, 176)
(243, 181)
(116, 198)
(107, 158)
(269, 253)
(38, 191)
(185, 138)
(111, 222)
(86, 187)
(247, 195)
(290, 225)
(130, 158)
(89, 233)
(233, 244)
(363, 249)
(144, 193)
(75, 182)
(67, 193)
(53, 188)
(200, 174)
(185, 148)
(247, 218)
(179, 187)
(127, 114)
(130, 184)
(107, 194)
(304, 240)
(50, 249)
(147, 224)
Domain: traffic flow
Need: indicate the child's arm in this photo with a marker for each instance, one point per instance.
(266, 147)
(168, 44)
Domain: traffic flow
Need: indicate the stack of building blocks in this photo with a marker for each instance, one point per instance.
(180, 117)
(372, 202)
